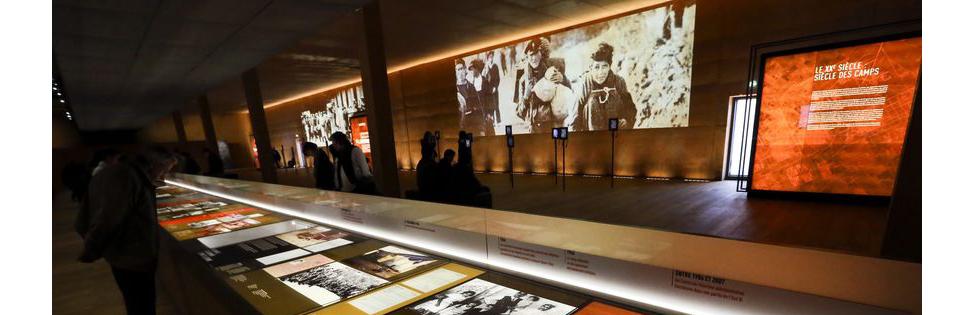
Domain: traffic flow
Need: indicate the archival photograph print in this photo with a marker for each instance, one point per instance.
(334, 115)
(482, 297)
(311, 236)
(190, 209)
(330, 283)
(636, 68)
(389, 261)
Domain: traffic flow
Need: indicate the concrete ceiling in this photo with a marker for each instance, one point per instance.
(127, 63)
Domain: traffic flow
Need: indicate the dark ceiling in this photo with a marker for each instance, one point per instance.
(127, 63)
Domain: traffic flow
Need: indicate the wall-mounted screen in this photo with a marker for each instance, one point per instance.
(636, 67)
(334, 115)
(834, 121)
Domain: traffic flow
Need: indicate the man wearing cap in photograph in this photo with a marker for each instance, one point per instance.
(603, 95)
(539, 66)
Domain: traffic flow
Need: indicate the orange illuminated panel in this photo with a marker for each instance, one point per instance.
(833, 121)
(360, 135)
(596, 308)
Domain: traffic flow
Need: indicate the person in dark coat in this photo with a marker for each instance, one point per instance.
(427, 172)
(471, 109)
(118, 223)
(189, 165)
(214, 163)
(324, 171)
(493, 77)
(464, 185)
(484, 95)
(352, 172)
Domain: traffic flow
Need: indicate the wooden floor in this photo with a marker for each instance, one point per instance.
(704, 208)
(84, 289)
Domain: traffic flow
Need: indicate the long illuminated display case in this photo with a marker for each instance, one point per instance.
(240, 247)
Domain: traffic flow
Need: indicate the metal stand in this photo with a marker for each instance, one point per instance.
(511, 166)
(612, 159)
(555, 158)
(563, 163)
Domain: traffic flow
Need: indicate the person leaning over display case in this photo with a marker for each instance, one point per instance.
(118, 223)
(324, 171)
(603, 95)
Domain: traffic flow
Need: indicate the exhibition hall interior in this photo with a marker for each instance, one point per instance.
(543, 157)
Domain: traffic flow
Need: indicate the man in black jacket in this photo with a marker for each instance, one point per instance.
(118, 222)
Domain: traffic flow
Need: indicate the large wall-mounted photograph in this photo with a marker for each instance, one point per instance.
(334, 116)
(636, 68)
(834, 120)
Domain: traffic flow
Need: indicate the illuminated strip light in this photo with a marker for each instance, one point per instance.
(611, 289)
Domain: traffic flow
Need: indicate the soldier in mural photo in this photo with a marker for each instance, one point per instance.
(486, 101)
(603, 95)
(492, 73)
(536, 83)
(471, 110)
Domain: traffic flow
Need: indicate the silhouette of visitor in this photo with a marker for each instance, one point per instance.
(427, 172)
(118, 223)
(324, 171)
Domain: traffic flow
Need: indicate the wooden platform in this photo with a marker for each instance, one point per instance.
(704, 208)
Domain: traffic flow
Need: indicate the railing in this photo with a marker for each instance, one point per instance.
(643, 267)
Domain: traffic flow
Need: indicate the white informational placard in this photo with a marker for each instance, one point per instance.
(221, 240)
(695, 293)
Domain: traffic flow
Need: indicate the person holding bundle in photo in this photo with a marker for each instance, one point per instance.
(534, 107)
(603, 95)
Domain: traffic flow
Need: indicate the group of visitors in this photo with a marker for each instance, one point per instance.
(341, 166)
(439, 179)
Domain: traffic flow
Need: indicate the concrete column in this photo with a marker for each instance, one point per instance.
(255, 107)
(209, 132)
(375, 87)
(180, 130)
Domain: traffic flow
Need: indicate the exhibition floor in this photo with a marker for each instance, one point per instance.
(84, 289)
(704, 208)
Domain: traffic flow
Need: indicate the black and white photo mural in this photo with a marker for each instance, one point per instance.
(636, 68)
(334, 116)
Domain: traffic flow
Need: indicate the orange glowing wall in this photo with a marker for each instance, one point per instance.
(834, 121)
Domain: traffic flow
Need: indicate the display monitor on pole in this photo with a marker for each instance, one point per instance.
(555, 157)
